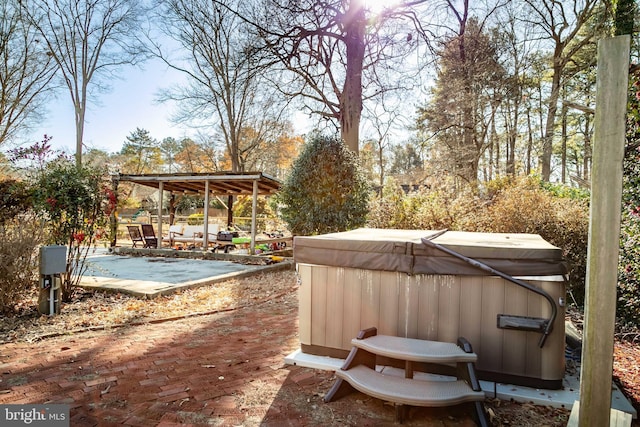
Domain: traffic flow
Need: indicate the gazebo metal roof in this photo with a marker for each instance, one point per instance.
(220, 183)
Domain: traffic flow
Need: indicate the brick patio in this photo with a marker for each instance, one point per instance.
(225, 369)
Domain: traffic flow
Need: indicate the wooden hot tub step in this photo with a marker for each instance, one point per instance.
(408, 391)
(414, 350)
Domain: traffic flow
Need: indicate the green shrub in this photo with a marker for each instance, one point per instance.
(566, 192)
(326, 190)
(628, 307)
(75, 202)
(187, 202)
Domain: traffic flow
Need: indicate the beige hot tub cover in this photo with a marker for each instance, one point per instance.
(515, 254)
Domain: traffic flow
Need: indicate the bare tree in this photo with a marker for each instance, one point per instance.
(515, 62)
(197, 156)
(565, 25)
(225, 82)
(26, 71)
(89, 40)
(273, 148)
(335, 51)
(383, 119)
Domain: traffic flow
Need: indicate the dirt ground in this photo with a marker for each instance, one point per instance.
(207, 356)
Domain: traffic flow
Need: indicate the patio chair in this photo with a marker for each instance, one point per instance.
(149, 236)
(136, 237)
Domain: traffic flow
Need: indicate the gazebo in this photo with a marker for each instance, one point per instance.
(207, 184)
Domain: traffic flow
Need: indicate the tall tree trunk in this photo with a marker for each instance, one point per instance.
(79, 135)
(564, 143)
(113, 218)
(381, 163)
(351, 99)
(468, 163)
(511, 142)
(586, 170)
(497, 157)
(492, 143)
(529, 143)
(547, 141)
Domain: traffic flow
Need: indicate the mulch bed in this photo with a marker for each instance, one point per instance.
(626, 370)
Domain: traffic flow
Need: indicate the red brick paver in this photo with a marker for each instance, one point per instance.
(225, 370)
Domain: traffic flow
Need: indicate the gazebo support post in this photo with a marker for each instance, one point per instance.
(160, 196)
(254, 209)
(172, 208)
(113, 221)
(205, 243)
(229, 211)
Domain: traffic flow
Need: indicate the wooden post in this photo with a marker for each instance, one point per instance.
(604, 231)
(205, 236)
(254, 211)
(229, 211)
(113, 220)
(172, 208)
(160, 196)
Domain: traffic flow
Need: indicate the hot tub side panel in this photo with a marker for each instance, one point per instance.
(337, 302)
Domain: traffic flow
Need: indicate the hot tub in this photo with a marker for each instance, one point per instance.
(391, 280)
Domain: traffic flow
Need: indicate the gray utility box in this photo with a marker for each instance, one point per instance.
(53, 259)
(53, 263)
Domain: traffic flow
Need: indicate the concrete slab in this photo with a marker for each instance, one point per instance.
(149, 276)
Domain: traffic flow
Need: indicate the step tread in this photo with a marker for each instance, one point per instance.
(409, 391)
(414, 350)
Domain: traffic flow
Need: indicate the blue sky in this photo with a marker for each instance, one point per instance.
(129, 104)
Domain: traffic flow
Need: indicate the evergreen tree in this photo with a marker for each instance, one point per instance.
(326, 190)
(624, 16)
(143, 153)
(464, 92)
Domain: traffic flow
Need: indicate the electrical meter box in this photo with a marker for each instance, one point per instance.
(53, 259)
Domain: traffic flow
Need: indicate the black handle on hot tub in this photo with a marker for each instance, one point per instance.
(554, 310)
